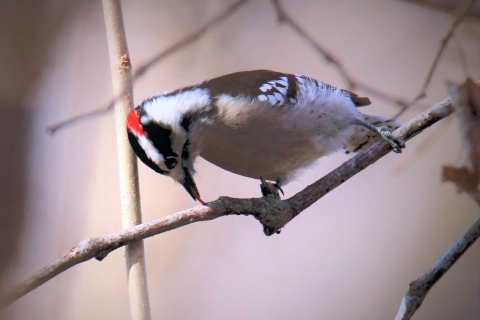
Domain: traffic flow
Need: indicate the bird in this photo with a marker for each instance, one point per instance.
(259, 124)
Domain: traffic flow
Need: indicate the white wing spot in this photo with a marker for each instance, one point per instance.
(279, 96)
(300, 79)
(275, 90)
(282, 90)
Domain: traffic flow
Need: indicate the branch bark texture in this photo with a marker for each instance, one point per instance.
(272, 212)
(127, 161)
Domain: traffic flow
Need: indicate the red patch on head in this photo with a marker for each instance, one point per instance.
(134, 125)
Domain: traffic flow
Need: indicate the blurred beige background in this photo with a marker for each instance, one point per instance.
(350, 256)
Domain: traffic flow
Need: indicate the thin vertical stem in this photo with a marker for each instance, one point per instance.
(129, 190)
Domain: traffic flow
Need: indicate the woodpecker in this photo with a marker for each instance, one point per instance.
(260, 124)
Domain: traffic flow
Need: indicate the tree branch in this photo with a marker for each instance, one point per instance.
(127, 160)
(272, 212)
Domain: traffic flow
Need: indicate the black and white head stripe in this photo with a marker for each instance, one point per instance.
(169, 108)
(161, 139)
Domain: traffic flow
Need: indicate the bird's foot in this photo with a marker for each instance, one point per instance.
(270, 188)
(387, 135)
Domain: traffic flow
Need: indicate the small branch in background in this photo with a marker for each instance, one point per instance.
(466, 102)
(419, 288)
(284, 17)
(458, 16)
(127, 160)
(272, 213)
(189, 39)
(140, 71)
(463, 57)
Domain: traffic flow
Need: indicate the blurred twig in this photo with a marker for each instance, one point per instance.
(458, 15)
(408, 159)
(127, 161)
(462, 55)
(272, 213)
(284, 17)
(149, 64)
(419, 288)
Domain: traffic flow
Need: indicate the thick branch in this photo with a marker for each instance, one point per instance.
(127, 161)
(272, 213)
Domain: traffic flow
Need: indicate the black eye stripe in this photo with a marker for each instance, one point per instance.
(161, 138)
(185, 151)
(142, 155)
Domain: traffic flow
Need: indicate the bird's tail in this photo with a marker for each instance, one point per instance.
(364, 138)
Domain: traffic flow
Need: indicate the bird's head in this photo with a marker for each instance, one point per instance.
(163, 146)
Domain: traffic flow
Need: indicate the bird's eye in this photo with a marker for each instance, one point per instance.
(186, 121)
(171, 162)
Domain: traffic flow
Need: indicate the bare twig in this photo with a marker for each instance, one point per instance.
(419, 288)
(458, 16)
(272, 213)
(127, 161)
(149, 64)
(284, 17)
(466, 100)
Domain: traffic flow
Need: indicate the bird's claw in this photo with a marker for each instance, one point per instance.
(387, 135)
(270, 188)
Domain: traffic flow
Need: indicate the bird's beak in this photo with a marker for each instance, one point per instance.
(190, 186)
